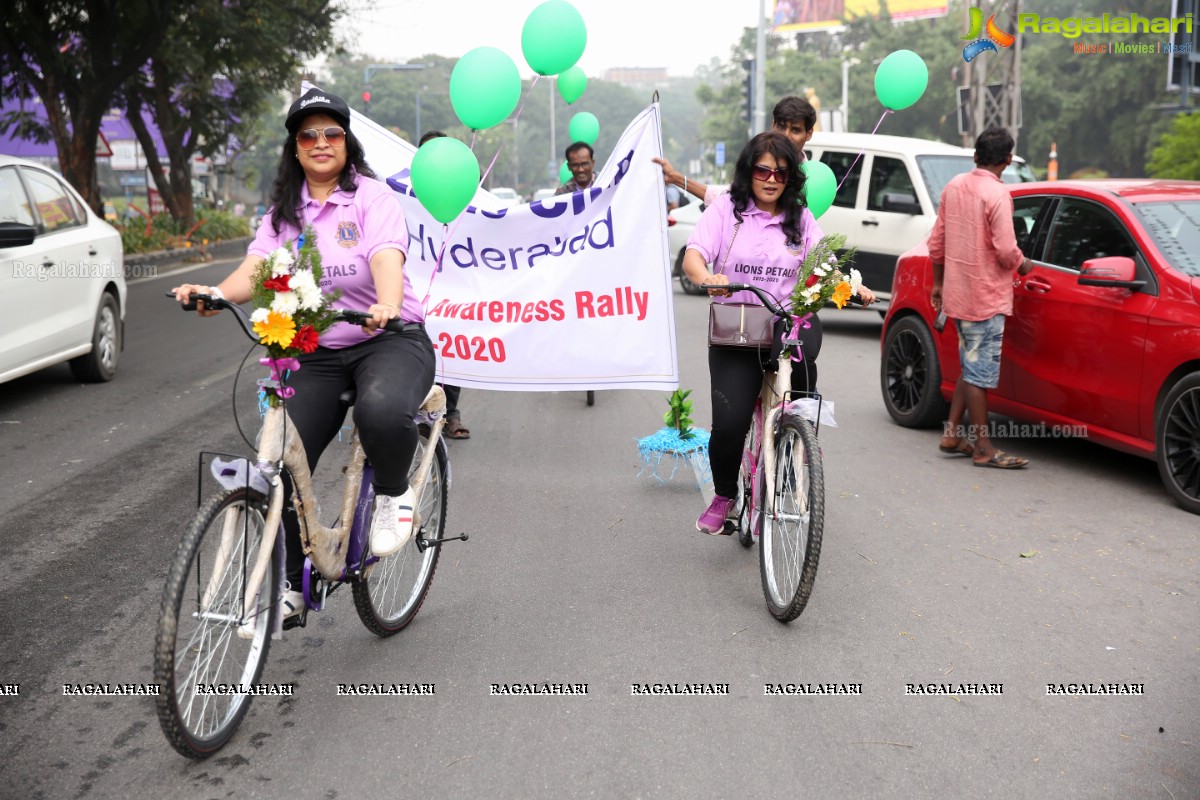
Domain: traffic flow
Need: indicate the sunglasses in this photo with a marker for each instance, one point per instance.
(761, 173)
(307, 139)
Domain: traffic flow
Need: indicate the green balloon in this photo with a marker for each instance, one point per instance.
(571, 84)
(445, 175)
(820, 186)
(553, 37)
(564, 174)
(485, 87)
(584, 127)
(901, 80)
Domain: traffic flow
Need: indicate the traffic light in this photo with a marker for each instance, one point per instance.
(366, 96)
(747, 104)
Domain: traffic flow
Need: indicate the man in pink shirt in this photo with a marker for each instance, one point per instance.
(974, 251)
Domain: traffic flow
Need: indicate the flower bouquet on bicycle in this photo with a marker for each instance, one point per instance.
(782, 483)
(226, 593)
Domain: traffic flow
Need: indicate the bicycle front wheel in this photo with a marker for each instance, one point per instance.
(793, 517)
(393, 589)
(201, 663)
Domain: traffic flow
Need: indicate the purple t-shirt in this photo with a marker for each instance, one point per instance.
(350, 229)
(760, 254)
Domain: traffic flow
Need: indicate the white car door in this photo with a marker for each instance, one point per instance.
(894, 217)
(23, 297)
(66, 260)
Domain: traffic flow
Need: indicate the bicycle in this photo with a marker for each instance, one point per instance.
(782, 483)
(220, 606)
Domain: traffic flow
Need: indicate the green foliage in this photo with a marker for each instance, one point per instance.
(824, 276)
(1100, 110)
(1178, 152)
(679, 407)
(167, 233)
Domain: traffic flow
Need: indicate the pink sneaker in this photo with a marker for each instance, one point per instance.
(712, 521)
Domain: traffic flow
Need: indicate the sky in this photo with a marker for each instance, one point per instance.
(620, 33)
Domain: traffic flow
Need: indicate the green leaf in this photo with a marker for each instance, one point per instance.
(1029, 554)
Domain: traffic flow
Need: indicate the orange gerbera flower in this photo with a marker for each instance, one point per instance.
(277, 329)
(841, 294)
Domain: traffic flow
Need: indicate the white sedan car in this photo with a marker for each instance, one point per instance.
(508, 196)
(62, 284)
(681, 221)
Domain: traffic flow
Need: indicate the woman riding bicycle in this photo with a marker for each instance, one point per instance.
(323, 182)
(758, 233)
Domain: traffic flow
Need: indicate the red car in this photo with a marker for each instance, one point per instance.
(1105, 331)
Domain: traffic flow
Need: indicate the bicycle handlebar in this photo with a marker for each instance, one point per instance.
(768, 300)
(217, 304)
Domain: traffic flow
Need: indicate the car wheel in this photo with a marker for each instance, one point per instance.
(1177, 442)
(101, 364)
(910, 375)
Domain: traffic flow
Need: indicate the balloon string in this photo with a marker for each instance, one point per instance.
(862, 152)
(515, 118)
(447, 234)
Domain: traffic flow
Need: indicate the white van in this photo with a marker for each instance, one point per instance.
(896, 207)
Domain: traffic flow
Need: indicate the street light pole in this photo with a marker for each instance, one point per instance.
(760, 72)
(553, 148)
(847, 63)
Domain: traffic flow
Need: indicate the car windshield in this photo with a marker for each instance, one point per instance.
(1175, 228)
(937, 171)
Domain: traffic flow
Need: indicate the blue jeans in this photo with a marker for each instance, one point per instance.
(979, 350)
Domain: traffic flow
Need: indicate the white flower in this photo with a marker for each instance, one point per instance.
(282, 262)
(305, 286)
(285, 303)
(820, 271)
(259, 315)
(855, 280)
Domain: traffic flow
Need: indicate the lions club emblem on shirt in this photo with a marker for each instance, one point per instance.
(347, 234)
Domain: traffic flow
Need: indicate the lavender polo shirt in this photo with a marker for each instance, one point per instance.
(759, 256)
(350, 229)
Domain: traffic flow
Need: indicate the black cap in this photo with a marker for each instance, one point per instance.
(314, 101)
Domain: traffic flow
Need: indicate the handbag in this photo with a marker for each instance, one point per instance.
(747, 326)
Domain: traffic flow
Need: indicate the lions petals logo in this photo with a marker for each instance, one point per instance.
(347, 234)
(978, 44)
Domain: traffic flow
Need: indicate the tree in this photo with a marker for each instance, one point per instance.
(73, 56)
(226, 60)
(1178, 152)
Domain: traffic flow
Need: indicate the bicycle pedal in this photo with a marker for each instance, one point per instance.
(729, 529)
(298, 621)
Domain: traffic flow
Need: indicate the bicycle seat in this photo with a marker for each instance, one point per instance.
(346, 398)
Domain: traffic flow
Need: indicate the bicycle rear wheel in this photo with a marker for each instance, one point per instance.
(393, 589)
(793, 517)
(198, 655)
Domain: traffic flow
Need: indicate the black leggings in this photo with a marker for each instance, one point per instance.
(391, 374)
(737, 377)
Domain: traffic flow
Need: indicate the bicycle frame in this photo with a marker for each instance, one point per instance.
(768, 411)
(331, 549)
(334, 552)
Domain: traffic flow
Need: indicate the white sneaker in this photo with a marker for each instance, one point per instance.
(392, 526)
(290, 605)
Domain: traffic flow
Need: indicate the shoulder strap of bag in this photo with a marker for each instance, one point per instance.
(732, 239)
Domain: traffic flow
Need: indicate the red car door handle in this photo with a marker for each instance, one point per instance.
(1041, 287)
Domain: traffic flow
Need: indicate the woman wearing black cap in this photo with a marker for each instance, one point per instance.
(323, 181)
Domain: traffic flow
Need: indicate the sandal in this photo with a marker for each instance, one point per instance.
(963, 448)
(456, 430)
(1001, 460)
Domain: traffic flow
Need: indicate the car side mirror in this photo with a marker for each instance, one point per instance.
(16, 234)
(901, 203)
(1113, 272)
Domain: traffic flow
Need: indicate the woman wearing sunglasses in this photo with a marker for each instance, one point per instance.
(323, 181)
(758, 233)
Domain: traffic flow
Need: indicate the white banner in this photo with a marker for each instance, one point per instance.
(569, 293)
